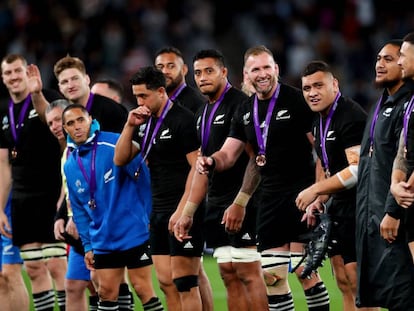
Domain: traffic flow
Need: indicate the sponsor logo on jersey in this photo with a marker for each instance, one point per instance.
(246, 118)
(188, 245)
(5, 123)
(141, 130)
(246, 236)
(78, 185)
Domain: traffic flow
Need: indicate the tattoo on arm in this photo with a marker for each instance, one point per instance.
(400, 162)
(251, 177)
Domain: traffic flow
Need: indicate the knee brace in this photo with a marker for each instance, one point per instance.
(244, 254)
(296, 260)
(31, 254)
(222, 254)
(275, 265)
(186, 283)
(54, 250)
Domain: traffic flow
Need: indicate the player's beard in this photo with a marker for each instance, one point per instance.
(174, 83)
(385, 84)
(265, 92)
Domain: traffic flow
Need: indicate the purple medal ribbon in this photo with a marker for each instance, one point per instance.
(324, 132)
(178, 91)
(92, 180)
(16, 132)
(89, 103)
(373, 123)
(144, 148)
(407, 115)
(205, 128)
(262, 137)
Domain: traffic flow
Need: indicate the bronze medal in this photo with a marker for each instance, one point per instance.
(261, 160)
(92, 204)
(14, 153)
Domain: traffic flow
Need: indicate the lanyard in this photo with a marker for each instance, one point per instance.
(92, 180)
(89, 102)
(324, 132)
(16, 132)
(262, 136)
(178, 91)
(205, 128)
(407, 115)
(147, 143)
(372, 128)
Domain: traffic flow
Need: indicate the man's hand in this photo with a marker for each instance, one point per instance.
(138, 116)
(58, 229)
(389, 228)
(403, 194)
(173, 220)
(233, 218)
(5, 228)
(89, 261)
(204, 164)
(182, 228)
(71, 228)
(35, 84)
(305, 198)
(317, 206)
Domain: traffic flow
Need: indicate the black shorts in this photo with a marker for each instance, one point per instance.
(163, 243)
(278, 220)
(132, 258)
(216, 235)
(33, 218)
(343, 232)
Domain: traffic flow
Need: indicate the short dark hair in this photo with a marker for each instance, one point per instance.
(11, 58)
(210, 53)
(113, 85)
(73, 106)
(396, 42)
(409, 38)
(315, 66)
(152, 77)
(169, 49)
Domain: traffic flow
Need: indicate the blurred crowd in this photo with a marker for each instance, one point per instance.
(115, 37)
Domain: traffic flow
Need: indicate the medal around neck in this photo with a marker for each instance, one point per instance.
(261, 160)
(14, 153)
(92, 204)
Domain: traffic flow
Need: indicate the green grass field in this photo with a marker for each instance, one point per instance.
(220, 294)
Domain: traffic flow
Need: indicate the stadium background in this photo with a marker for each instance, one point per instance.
(115, 37)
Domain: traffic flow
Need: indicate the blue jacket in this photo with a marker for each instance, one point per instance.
(120, 219)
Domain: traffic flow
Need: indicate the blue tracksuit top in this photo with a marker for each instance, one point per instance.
(120, 220)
